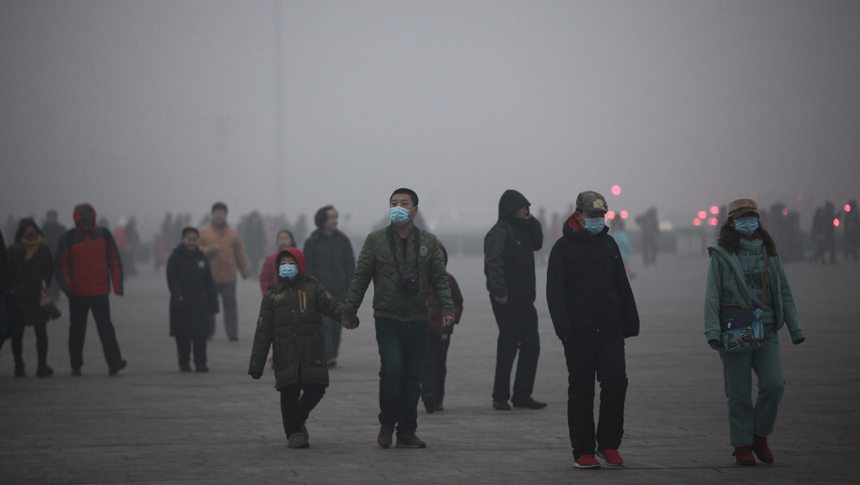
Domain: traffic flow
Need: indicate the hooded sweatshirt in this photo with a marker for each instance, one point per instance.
(87, 260)
(509, 262)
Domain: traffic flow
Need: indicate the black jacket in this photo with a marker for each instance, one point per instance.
(331, 261)
(192, 293)
(587, 286)
(26, 280)
(509, 261)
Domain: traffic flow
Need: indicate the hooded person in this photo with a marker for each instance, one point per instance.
(509, 266)
(291, 321)
(86, 264)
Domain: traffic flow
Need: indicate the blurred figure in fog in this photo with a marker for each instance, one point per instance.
(301, 228)
(509, 265)
(30, 267)
(11, 225)
(133, 239)
(51, 231)
(830, 230)
(330, 260)
(226, 252)
(86, 264)
(193, 300)
(649, 228)
(851, 223)
(792, 248)
(619, 233)
(4, 287)
(819, 236)
(269, 272)
(254, 238)
(541, 217)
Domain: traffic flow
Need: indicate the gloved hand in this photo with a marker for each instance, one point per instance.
(714, 343)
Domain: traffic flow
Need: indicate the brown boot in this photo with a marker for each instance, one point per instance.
(761, 450)
(384, 438)
(409, 440)
(744, 456)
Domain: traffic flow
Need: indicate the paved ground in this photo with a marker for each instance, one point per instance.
(152, 424)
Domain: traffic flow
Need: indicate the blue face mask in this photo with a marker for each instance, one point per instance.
(399, 215)
(594, 225)
(746, 225)
(288, 271)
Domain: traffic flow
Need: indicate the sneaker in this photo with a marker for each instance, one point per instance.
(761, 450)
(409, 440)
(501, 406)
(76, 372)
(528, 403)
(430, 403)
(586, 461)
(331, 364)
(184, 368)
(201, 368)
(744, 456)
(304, 430)
(115, 370)
(611, 457)
(439, 406)
(44, 371)
(384, 438)
(298, 440)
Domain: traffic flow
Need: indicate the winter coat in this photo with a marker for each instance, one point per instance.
(26, 280)
(269, 272)
(192, 293)
(509, 261)
(230, 256)
(587, 286)
(87, 261)
(376, 263)
(727, 284)
(331, 260)
(290, 321)
(435, 322)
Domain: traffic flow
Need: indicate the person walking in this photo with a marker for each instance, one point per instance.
(619, 234)
(851, 225)
(223, 246)
(509, 266)
(193, 300)
(86, 265)
(31, 267)
(649, 229)
(404, 263)
(593, 310)
(51, 231)
(744, 270)
(330, 260)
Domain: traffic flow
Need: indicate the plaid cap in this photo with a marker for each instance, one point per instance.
(590, 201)
(740, 206)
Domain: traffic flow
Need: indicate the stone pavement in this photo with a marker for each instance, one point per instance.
(152, 424)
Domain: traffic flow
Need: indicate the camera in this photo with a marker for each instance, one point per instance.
(409, 285)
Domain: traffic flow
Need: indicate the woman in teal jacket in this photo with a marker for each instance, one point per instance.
(736, 275)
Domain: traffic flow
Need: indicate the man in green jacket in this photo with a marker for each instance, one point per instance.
(404, 263)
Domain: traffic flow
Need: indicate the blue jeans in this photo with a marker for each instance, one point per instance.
(402, 346)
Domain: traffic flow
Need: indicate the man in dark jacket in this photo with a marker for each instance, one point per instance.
(330, 260)
(593, 311)
(86, 263)
(509, 265)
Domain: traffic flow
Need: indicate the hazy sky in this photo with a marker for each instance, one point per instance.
(144, 107)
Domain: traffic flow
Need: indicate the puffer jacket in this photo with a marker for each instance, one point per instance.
(87, 261)
(192, 293)
(376, 263)
(331, 261)
(26, 280)
(509, 261)
(587, 286)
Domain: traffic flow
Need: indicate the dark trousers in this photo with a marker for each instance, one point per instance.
(15, 333)
(435, 367)
(589, 353)
(183, 349)
(331, 328)
(518, 332)
(231, 310)
(402, 346)
(297, 402)
(650, 244)
(79, 307)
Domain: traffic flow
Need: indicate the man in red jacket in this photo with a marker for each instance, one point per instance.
(87, 262)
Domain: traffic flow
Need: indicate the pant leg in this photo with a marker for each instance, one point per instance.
(231, 311)
(290, 408)
(183, 350)
(107, 334)
(612, 374)
(391, 370)
(428, 376)
(524, 381)
(16, 335)
(332, 329)
(737, 377)
(442, 367)
(767, 364)
(414, 350)
(199, 350)
(78, 308)
(506, 348)
(312, 394)
(219, 292)
(580, 355)
(41, 330)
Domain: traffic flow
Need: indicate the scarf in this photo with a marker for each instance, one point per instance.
(32, 246)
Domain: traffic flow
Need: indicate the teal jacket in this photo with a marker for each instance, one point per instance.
(726, 284)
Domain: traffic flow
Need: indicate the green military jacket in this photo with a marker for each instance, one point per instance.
(377, 263)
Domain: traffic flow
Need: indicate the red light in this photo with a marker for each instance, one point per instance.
(799, 196)
(623, 214)
(712, 221)
(697, 222)
(715, 210)
(785, 211)
(703, 215)
(610, 215)
(836, 222)
(616, 190)
(847, 207)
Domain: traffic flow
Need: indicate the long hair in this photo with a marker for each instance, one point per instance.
(730, 239)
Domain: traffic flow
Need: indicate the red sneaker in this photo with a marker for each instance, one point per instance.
(761, 450)
(744, 456)
(611, 457)
(586, 461)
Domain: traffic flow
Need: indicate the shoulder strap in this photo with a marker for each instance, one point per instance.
(764, 285)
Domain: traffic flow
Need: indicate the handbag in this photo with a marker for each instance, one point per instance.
(48, 304)
(741, 328)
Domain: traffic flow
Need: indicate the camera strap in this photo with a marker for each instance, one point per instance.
(392, 244)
